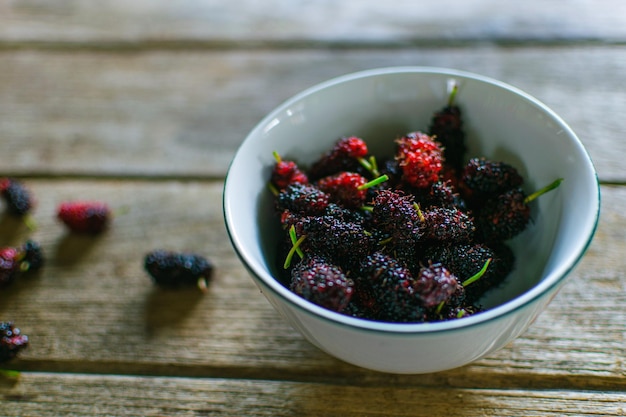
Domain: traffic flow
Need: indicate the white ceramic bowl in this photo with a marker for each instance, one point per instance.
(502, 123)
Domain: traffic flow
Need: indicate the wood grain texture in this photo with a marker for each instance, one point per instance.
(183, 114)
(46, 395)
(354, 21)
(143, 103)
(97, 311)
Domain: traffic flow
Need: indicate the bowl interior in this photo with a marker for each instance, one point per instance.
(501, 123)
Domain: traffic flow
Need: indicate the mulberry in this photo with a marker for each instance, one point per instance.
(302, 199)
(420, 158)
(12, 341)
(345, 155)
(447, 127)
(434, 284)
(487, 178)
(322, 283)
(173, 269)
(18, 198)
(285, 173)
(393, 288)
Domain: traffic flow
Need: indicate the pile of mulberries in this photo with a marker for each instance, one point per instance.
(418, 237)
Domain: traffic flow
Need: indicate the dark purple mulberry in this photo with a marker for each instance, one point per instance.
(12, 341)
(488, 178)
(447, 225)
(466, 260)
(504, 216)
(447, 127)
(18, 198)
(342, 243)
(34, 257)
(9, 265)
(321, 283)
(302, 199)
(434, 284)
(393, 287)
(441, 194)
(395, 215)
(173, 269)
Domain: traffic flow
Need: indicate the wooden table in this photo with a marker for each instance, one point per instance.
(143, 103)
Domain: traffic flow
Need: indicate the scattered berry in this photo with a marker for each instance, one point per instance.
(15, 261)
(178, 269)
(9, 265)
(12, 341)
(88, 217)
(33, 256)
(18, 198)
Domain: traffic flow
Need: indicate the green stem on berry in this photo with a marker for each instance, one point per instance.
(373, 182)
(30, 223)
(294, 239)
(273, 189)
(9, 373)
(203, 284)
(440, 307)
(477, 275)
(452, 96)
(543, 190)
(419, 212)
(295, 248)
(461, 313)
(367, 208)
(277, 157)
(292, 251)
(374, 165)
(370, 165)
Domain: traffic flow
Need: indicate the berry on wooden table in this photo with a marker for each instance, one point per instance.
(87, 217)
(172, 269)
(18, 198)
(9, 265)
(12, 341)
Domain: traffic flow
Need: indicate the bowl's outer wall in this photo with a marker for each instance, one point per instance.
(501, 122)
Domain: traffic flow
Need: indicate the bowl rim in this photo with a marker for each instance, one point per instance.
(551, 281)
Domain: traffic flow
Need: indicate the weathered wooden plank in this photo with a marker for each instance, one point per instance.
(184, 113)
(97, 311)
(284, 20)
(45, 395)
